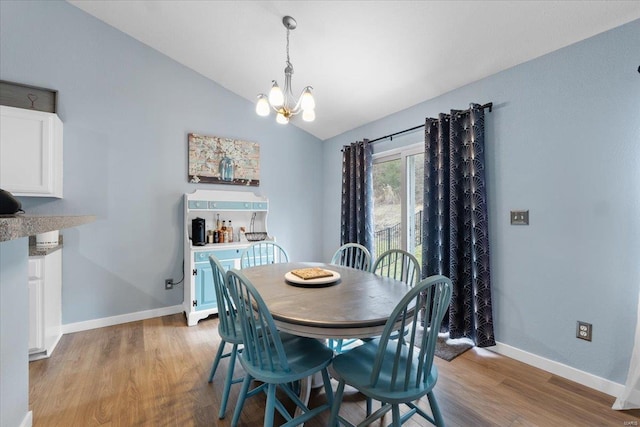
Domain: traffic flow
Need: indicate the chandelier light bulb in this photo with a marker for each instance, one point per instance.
(309, 115)
(276, 97)
(262, 106)
(282, 119)
(307, 102)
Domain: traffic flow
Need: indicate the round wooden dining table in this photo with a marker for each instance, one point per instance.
(357, 305)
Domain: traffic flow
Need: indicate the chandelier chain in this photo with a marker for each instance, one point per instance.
(288, 61)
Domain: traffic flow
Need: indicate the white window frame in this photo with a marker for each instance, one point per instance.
(406, 193)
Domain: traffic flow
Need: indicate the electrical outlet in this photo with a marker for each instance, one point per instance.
(583, 331)
(168, 284)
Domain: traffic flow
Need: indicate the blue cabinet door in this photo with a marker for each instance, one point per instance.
(205, 291)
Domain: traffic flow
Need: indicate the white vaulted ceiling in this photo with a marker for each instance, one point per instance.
(364, 59)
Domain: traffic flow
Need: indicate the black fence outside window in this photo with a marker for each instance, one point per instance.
(390, 237)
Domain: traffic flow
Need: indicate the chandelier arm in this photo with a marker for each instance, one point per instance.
(298, 107)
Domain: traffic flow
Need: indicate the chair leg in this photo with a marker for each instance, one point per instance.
(228, 382)
(369, 406)
(395, 412)
(335, 408)
(435, 409)
(269, 410)
(216, 361)
(241, 397)
(327, 386)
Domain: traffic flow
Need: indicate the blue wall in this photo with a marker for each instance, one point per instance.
(563, 141)
(127, 110)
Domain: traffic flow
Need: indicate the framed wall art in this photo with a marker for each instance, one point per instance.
(217, 160)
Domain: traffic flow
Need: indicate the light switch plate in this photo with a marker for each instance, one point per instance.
(519, 217)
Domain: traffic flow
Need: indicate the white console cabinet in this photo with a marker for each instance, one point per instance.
(45, 304)
(30, 152)
(240, 208)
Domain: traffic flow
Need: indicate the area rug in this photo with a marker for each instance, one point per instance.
(448, 349)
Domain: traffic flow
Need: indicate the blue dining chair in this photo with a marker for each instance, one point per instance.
(398, 264)
(261, 253)
(274, 358)
(398, 371)
(351, 255)
(228, 329)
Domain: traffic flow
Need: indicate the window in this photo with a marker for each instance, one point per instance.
(398, 180)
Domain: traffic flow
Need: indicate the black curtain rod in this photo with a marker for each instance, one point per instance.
(485, 106)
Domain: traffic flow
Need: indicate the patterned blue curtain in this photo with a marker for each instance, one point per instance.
(455, 224)
(357, 194)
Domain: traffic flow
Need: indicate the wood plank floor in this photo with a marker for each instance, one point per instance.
(154, 373)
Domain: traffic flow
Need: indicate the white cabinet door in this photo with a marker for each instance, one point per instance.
(45, 304)
(30, 152)
(36, 327)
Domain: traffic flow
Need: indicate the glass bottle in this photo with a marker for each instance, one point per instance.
(223, 232)
(230, 231)
(218, 223)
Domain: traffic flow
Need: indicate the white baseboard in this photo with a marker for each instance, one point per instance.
(28, 420)
(123, 318)
(560, 369)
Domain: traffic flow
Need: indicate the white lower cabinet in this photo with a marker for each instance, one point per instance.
(45, 304)
(202, 292)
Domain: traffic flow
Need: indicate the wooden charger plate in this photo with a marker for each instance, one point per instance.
(321, 281)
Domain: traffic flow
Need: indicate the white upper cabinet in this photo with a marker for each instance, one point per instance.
(30, 152)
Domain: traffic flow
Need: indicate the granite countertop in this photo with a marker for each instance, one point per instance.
(29, 225)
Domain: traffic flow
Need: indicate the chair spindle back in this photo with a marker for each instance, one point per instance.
(227, 326)
(398, 264)
(352, 255)
(261, 253)
(414, 351)
(263, 347)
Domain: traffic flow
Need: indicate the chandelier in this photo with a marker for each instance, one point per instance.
(283, 102)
